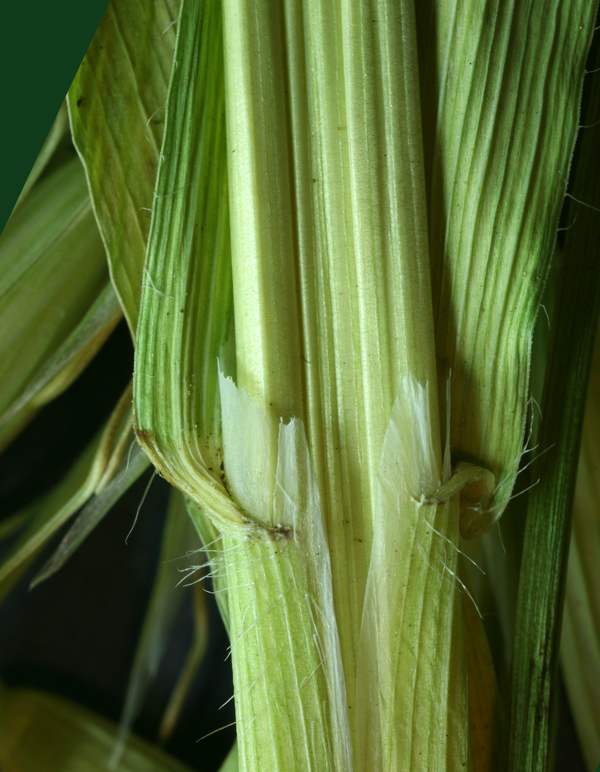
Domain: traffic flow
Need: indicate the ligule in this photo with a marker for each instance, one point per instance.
(411, 677)
(282, 618)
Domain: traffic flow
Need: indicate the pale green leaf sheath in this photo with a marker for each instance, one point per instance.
(176, 397)
(365, 288)
(117, 109)
(333, 324)
(291, 710)
(412, 685)
(186, 311)
(186, 320)
(500, 84)
(347, 257)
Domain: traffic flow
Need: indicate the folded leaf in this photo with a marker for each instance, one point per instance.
(96, 508)
(70, 358)
(52, 271)
(40, 731)
(45, 516)
(116, 105)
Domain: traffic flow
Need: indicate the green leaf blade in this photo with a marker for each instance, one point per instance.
(116, 107)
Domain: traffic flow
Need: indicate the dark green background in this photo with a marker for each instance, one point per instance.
(41, 47)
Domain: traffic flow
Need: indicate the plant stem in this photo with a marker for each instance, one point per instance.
(547, 532)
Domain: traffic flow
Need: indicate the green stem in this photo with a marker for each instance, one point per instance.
(331, 276)
(547, 531)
